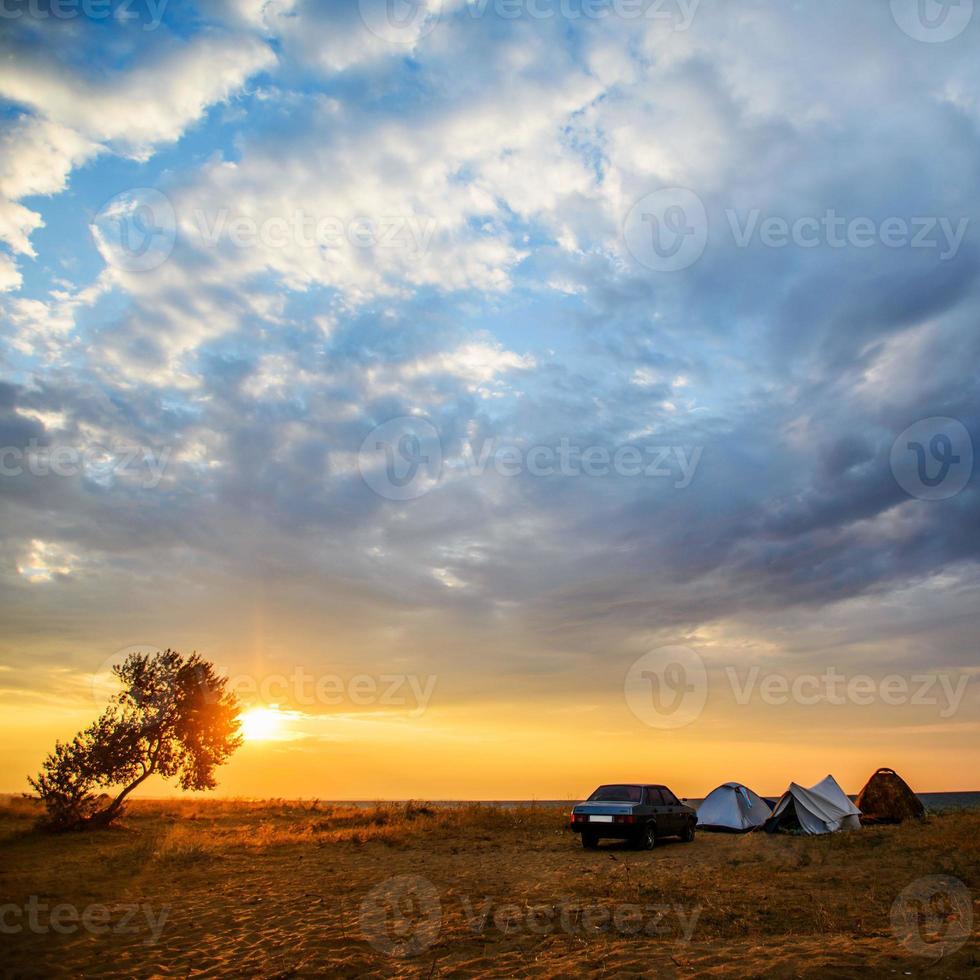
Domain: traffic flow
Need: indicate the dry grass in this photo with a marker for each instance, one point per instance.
(275, 888)
(230, 825)
(17, 808)
(182, 833)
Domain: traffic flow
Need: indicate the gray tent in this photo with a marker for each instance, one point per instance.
(821, 809)
(733, 807)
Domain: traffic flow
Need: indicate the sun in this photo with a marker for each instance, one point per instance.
(260, 724)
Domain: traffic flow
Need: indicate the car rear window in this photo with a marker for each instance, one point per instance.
(617, 794)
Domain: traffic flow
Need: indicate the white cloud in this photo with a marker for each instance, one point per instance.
(16, 225)
(153, 102)
(10, 277)
(273, 377)
(44, 327)
(338, 37)
(44, 560)
(131, 111)
(37, 155)
(479, 365)
(476, 363)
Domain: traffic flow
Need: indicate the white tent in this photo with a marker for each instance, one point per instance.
(821, 809)
(733, 806)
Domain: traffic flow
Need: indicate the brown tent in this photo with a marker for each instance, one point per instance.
(887, 798)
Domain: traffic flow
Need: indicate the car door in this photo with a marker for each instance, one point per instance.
(675, 809)
(661, 811)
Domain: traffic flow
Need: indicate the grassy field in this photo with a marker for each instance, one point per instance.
(285, 889)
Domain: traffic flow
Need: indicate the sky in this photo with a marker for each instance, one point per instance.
(508, 396)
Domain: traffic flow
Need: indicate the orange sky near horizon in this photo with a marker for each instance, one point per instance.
(541, 747)
(427, 705)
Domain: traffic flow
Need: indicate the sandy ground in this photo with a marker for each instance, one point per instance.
(283, 890)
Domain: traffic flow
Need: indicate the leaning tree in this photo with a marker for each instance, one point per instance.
(172, 718)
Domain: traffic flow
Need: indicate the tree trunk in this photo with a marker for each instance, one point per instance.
(105, 817)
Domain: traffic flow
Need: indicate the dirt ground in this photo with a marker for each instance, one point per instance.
(276, 889)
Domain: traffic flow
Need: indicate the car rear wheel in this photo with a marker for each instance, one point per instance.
(589, 840)
(688, 834)
(647, 839)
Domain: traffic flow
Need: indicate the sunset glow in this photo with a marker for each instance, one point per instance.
(261, 724)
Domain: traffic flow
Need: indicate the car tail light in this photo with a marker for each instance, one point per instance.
(624, 818)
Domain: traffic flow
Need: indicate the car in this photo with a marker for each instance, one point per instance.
(636, 812)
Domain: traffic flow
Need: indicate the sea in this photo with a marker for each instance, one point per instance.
(937, 802)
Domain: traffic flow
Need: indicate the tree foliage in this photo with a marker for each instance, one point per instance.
(172, 718)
